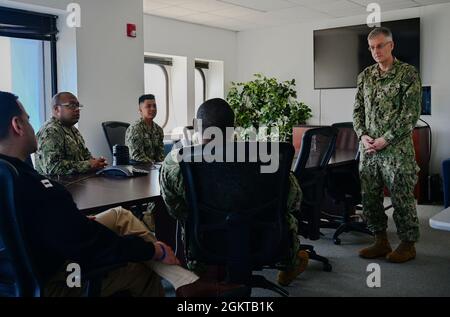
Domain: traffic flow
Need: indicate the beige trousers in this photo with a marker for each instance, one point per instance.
(137, 279)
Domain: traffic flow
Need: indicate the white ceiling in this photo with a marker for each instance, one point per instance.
(239, 15)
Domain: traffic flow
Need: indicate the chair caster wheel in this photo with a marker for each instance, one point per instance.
(337, 241)
(327, 267)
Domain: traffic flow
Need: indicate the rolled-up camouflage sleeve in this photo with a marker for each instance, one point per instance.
(409, 114)
(134, 139)
(359, 112)
(51, 159)
(172, 188)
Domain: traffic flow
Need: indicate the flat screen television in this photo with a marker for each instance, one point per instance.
(340, 54)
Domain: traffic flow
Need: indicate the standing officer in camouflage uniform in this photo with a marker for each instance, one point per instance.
(145, 138)
(387, 108)
(218, 113)
(61, 148)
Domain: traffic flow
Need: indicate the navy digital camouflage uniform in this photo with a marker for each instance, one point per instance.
(61, 150)
(389, 105)
(146, 143)
(173, 193)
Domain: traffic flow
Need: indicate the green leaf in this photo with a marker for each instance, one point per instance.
(267, 102)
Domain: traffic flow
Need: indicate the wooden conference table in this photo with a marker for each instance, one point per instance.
(95, 194)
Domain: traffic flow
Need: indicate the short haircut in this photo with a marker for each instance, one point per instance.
(146, 97)
(381, 31)
(57, 98)
(9, 109)
(216, 113)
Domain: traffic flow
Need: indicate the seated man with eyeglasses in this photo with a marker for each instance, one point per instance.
(61, 148)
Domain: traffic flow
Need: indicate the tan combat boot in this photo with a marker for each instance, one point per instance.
(286, 277)
(405, 252)
(379, 249)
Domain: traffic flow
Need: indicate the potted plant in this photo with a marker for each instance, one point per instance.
(265, 102)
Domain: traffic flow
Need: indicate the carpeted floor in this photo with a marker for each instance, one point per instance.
(428, 275)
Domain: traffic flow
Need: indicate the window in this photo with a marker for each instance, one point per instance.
(28, 59)
(200, 83)
(200, 87)
(157, 83)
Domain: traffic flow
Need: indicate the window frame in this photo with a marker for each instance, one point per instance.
(162, 63)
(34, 26)
(202, 74)
(200, 66)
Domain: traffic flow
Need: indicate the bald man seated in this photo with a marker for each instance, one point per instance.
(61, 148)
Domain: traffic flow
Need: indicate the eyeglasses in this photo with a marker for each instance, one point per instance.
(72, 105)
(379, 47)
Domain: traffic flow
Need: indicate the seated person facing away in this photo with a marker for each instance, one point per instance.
(218, 113)
(145, 138)
(61, 148)
(57, 233)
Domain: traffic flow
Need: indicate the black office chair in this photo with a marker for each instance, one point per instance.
(343, 186)
(237, 213)
(310, 169)
(115, 133)
(347, 141)
(18, 276)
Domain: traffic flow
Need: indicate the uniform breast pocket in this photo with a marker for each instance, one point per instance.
(392, 94)
(368, 92)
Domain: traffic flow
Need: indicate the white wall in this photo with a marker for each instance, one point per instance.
(110, 72)
(287, 52)
(5, 64)
(171, 37)
(179, 89)
(215, 81)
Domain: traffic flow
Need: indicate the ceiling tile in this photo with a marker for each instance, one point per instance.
(262, 5)
(240, 15)
(201, 17)
(429, 2)
(173, 12)
(388, 5)
(311, 2)
(299, 13)
(339, 8)
(174, 2)
(153, 5)
(262, 19)
(205, 5)
(234, 12)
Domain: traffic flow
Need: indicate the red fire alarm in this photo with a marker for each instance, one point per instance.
(131, 30)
